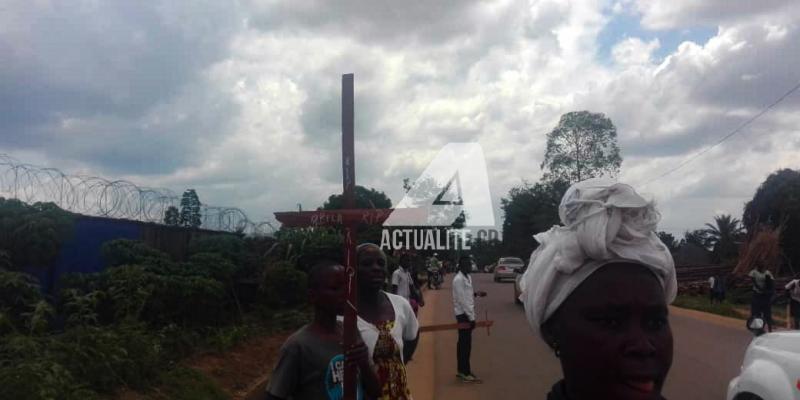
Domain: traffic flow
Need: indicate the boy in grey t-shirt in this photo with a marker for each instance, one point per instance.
(311, 363)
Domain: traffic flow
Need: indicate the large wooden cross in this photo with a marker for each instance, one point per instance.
(349, 217)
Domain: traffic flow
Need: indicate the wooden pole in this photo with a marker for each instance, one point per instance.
(348, 200)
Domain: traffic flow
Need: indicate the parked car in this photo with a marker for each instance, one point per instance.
(770, 370)
(507, 267)
(490, 268)
(517, 290)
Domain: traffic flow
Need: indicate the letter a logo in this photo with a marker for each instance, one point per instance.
(455, 182)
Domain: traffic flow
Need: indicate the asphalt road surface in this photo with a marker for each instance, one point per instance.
(516, 365)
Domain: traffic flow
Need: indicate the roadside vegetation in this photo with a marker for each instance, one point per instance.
(132, 326)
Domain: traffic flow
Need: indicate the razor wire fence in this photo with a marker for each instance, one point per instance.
(121, 199)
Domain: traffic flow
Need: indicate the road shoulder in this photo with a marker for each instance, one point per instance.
(421, 369)
(727, 322)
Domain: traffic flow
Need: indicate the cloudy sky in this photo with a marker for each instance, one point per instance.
(241, 101)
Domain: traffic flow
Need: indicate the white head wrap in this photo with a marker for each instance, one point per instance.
(604, 222)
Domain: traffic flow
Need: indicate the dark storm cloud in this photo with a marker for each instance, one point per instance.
(110, 65)
(321, 113)
(400, 23)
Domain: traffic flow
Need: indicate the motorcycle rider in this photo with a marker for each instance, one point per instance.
(434, 271)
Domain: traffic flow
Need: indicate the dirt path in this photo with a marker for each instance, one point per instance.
(243, 371)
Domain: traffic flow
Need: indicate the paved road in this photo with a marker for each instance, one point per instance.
(516, 365)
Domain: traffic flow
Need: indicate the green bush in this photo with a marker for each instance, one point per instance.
(106, 358)
(301, 247)
(230, 247)
(32, 235)
(190, 301)
(41, 380)
(143, 295)
(127, 252)
(289, 320)
(178, 342)
(29, 369)
(223, 339)
(183, 383)
(284, 286)
(211, 265)
(20, 298)
(81, 308)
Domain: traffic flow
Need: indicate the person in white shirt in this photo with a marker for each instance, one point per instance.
(401, 278)
(404, 285)
(464, 308)
(793, 287)
(763, 291)
(711, 289)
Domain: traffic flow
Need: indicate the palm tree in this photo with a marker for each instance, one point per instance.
(724, 236)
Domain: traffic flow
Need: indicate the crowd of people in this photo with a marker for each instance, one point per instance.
(596, 291)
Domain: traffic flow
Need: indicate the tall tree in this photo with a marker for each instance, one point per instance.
(172, 216)
(777, 203)
(529, 210)
(724, 237)
(669, 240)
(190, 210)
(582, 146)
(365, 198)
(697, 237)
(487, 251)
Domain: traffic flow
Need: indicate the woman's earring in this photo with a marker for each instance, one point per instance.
(557, 350)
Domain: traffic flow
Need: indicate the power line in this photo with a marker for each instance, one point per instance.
(728, 136)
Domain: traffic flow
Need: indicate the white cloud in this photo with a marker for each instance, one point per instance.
(634, 51)
(247, 110)
(670, 14)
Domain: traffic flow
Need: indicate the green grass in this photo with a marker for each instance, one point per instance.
(184, 383)
(726, 308)
(701, 303)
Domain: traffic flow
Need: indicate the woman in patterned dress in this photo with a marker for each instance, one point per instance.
(386, 322)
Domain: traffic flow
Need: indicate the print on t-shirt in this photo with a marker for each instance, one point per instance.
(334, 379)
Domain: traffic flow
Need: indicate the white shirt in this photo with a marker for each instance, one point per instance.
(405, 327)
(760, 279)
(795, 293)
(711, 282)
(402, 279)
(463, 296)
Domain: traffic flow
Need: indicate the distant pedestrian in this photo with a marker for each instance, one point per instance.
(434, 271)
(404, 284)
(712, 289)
(401, 278)
(718, 288)
(793, 287)
(763, 291)
(464, 308)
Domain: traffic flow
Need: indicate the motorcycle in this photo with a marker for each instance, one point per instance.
(436, 279)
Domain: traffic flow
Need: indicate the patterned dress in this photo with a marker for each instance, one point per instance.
(389, 365)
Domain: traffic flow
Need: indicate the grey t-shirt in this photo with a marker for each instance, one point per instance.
(309, 368)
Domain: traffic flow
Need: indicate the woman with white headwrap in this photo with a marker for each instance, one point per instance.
(596, 291)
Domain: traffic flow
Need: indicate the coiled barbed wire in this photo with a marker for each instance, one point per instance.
(91, 195)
